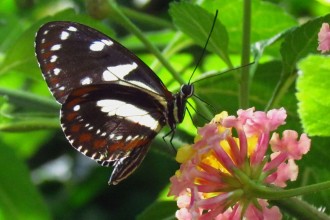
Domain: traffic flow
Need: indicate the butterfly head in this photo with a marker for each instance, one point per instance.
(186, 91)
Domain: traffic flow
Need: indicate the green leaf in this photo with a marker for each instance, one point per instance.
(196, 22)
(159, 210)
(10, 29)
(300, 42)
(19, 199)
(267, 20)
(313, 88)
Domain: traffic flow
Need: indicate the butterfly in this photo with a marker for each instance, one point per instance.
(112, 103)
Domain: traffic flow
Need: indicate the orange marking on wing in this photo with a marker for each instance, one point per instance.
(135, 143)
(47, 54)
(54, 80)
(100, 143)
(46, 45)
(84, 90)
(50, 66)
(116, 146)
(85, 137)
(71, 116)
(75, 128)
(74, 102)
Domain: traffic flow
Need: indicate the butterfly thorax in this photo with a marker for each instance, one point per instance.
(186, 91)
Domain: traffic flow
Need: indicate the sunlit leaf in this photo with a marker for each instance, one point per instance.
(313, 89)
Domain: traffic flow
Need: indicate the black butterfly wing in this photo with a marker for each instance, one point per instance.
(113, 124)
(71, 55)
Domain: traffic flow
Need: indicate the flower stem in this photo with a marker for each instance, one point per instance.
(264, 192)
(270, 193)
(244, 81)
(283, 198)
(281, 88)
(300, 209)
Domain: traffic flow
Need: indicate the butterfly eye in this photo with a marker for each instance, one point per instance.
(187, 90)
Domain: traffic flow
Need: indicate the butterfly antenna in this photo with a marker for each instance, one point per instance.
(208, 104)
(217, 74)
(199, 114)
(204, 49)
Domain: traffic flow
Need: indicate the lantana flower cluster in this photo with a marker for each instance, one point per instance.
(228, 158)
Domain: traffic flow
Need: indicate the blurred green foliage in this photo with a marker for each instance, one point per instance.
(42, 177)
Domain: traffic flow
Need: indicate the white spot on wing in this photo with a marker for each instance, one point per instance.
(129, 112)
(53, 58)
(97, 46)
(108, 76)
(76, 108)
(56, 71)
(119, 137)
(107, 42)
(142, 85)
(71, 28)
(135, 137)
(86, 81)
(114, 73)
(55, 47)
(64, 35)
(128, 138)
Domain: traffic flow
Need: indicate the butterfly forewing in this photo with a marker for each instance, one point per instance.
(113, 104)
(71, 55)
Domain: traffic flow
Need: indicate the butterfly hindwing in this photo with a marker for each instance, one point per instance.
(72, 55)
(126, 165)
(112, 124)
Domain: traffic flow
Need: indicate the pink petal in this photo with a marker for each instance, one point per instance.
(285, 172)
(265, 122)
(183, 200)
(259, 153)
(276, 159)
(183, 214)
(265, 214)
(289, 144)
(324, 38)
(276, 117)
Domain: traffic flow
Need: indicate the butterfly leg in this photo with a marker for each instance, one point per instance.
(171, 132)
